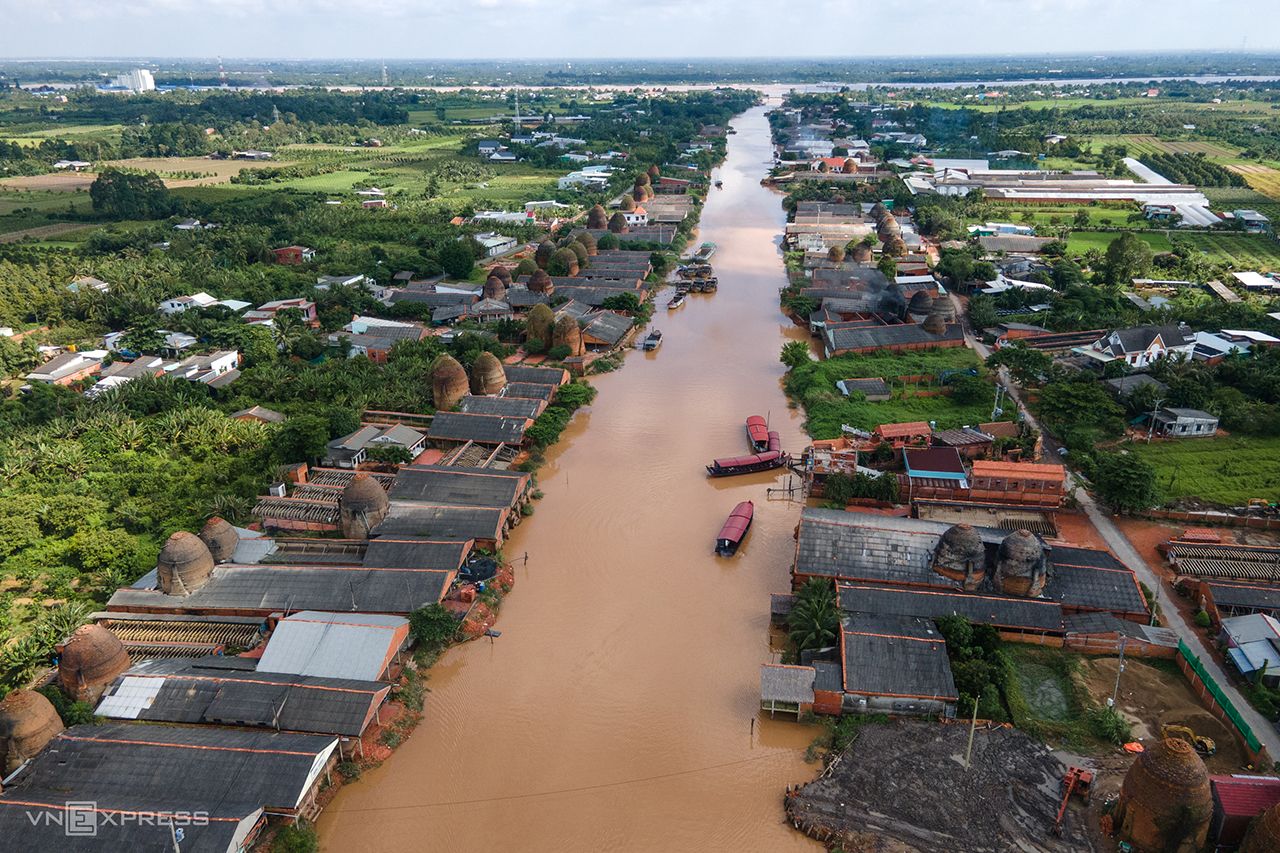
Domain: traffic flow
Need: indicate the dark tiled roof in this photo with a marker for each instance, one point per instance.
(1139, 338)
(458, 523)
(486, 429)
(511, 407)
(1129, 384)
(529, 390)
(1025, 614)
(1101, 623)
(896, 657)
(456, 487)
(191, 692)
(889, 336)
(526, 298)
(535, 375)
(607, 326)
(870, 387)
(828, 676)
(921, 461)
(1238, 595)
(262, 588)
(159, 768)
(435, 300)
(959, 437)
(1094, 580)
(410, 552)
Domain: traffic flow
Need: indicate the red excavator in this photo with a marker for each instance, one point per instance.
(1079, 781)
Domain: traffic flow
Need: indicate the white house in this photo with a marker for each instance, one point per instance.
(1143, 345)
(636, 217)
(496, 244)
(179, 304)
(488, 146)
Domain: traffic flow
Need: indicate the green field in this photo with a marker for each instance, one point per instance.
(1226, 470)
(1082, 241)
(1244, 252)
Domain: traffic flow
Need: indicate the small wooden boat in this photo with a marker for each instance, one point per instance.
(758, 433)
(654, 339)
(719, 185)
(734, 529)
(705, 252)
(766, 461)
(676, 301)
(709, 286)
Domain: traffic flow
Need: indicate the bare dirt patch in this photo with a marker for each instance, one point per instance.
(217, 172)
(44, 231)
(1150, 697)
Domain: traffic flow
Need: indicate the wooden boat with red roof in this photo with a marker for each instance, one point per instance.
(758, 433)
(734, 529)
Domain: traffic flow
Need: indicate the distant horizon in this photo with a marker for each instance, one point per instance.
(643, 30)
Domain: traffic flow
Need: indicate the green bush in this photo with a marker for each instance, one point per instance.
(433, 624)
(391, 738)
(302, 838)
(1110, 725)
(575, 396)
(1203, 620)
(71, 713)
(534, 346)
(559, 353)
(349, 769)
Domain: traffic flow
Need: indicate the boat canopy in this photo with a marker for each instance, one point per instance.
(744, 461)
(739, 521)
(758, 431)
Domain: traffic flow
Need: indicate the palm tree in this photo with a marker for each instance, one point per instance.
(815, 619)
(287, 329)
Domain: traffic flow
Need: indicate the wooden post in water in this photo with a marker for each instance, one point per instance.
(972, 727)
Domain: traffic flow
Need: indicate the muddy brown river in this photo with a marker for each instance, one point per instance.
(615, 711)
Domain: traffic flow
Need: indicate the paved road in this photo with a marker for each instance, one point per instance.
(1190, 634)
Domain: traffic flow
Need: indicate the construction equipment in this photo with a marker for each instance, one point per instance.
(1077, 780)
(1261, 505)
(1203, 745)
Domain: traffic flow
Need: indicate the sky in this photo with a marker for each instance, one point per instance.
(630, 29)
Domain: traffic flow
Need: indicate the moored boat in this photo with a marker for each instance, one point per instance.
(719, 185)
(654, 338)
(766, 461)
(704, 253)
(677, 300)
(758, 433)
(734, 529)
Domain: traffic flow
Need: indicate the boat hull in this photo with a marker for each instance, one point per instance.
(733, 469)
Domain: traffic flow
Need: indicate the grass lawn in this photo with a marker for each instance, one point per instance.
(1227, 470)
(1098, 216)
(827, 410)
(1253, 252)
(1082, 241)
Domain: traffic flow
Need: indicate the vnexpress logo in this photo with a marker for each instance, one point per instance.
(81, 818)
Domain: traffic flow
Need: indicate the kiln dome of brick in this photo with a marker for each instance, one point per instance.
(502, 273)
(184, 564)
(220, 538)
(921, 303)
(1264, 836)
(493, 288)
(1166, 783)
(363, 493)
(91, 659)
(540, 282)
(28, 721)
(862, 253)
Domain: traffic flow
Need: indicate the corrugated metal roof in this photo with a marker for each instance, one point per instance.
(331, 645)
(510, 407)
(896, 656)
(780, 683)
(159, 768)
(266, 589)
(200, 691)
(1025, 614)
(485, 429)
(459, 523)
(535, 375)
(456, 487)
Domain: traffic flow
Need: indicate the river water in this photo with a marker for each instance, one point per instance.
(615, 711)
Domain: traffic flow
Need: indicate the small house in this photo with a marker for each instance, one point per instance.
(294, 255)
(1018, 483)
(1185, 423)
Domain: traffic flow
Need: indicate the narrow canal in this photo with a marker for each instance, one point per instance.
(615, 712)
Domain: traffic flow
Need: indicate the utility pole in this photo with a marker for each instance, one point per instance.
(1111, 703)
(1152, 426)
(973, 726)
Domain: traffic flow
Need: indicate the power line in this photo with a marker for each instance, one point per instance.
(578, 790)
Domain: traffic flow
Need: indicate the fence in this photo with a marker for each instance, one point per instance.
(1206, 519)
(1218, 703)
